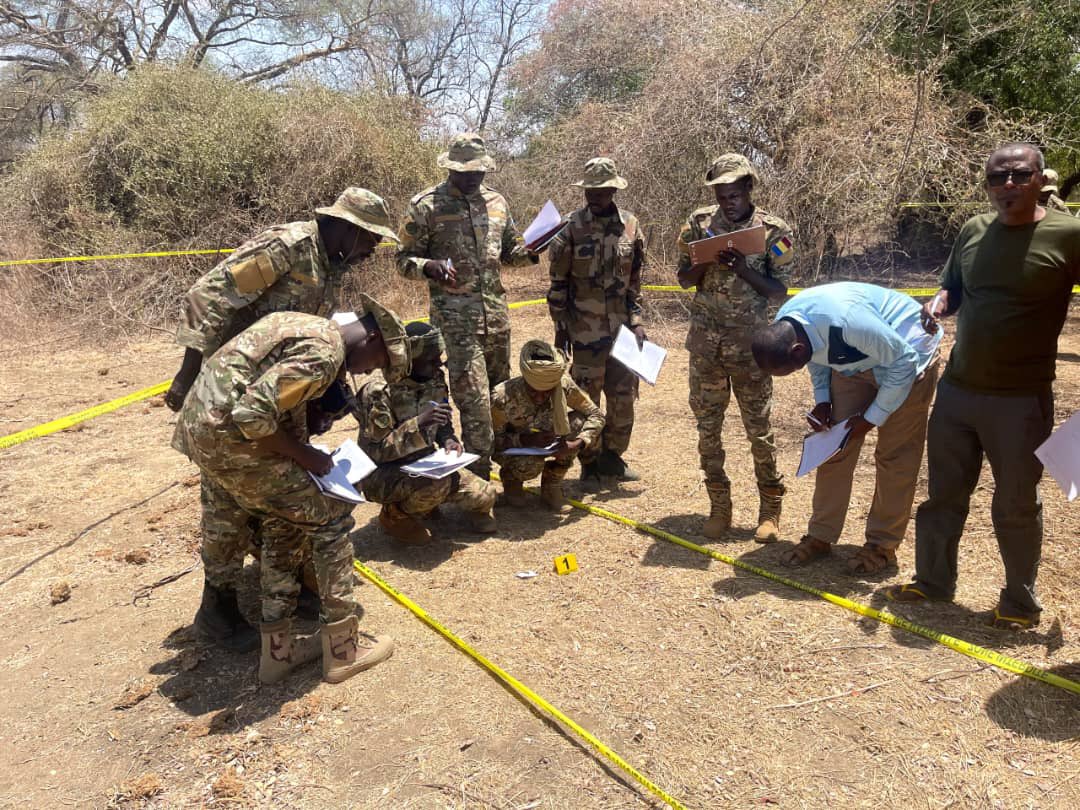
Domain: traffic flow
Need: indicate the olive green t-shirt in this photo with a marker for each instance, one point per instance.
(1014, 283)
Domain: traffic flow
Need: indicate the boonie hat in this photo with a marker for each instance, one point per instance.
(393, 334)
(729, 168)
(467, 153)
(600, 173)
(1050, 181)
(364, 209)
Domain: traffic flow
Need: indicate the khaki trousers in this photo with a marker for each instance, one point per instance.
(897, 459)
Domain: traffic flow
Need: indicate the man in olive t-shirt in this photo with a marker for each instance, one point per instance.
(1010, 278)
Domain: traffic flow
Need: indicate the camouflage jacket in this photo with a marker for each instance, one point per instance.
(1057, 204)
(388, 419)
(259, 382)
(283, 269)
(477, 233)
(596, 276)
(513, 413)
(723, 301)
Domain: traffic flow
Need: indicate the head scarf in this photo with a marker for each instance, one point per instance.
(543, 369)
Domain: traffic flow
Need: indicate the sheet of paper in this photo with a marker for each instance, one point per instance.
(544, 228)
(344, 318)
(749, 241)
(439, 464)
(531, 451)
(645, 362)
(1060, 454)
(820, 446)
(354, 462)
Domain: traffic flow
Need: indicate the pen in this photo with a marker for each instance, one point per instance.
(815, 420)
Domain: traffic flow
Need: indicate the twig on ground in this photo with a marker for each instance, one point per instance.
(848, 693)
(145, 591)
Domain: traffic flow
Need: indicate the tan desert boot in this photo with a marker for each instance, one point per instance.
(347, 650)
(768, 530)
(403, 527)
(718, 524)
(551, 492)
(281, 652)
(513, 493)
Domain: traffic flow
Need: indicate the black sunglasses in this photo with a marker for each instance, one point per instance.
(998, 179)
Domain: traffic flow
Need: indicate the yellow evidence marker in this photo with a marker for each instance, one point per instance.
(565, 564)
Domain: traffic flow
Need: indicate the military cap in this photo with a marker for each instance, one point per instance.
(600, 173)
(1050, 181)
(364, 209)
(467, 153)
(393, 334)
(728, 168)
(423, 338)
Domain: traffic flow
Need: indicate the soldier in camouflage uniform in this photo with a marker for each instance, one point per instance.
(542, 406)
(1049, 196)
(244, 424)
(595, 289)
(296, 267)
(406, 420)
(732, 300)
(454, 237)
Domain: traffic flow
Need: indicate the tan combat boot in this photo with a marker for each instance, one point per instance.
(281, 652)
(551, 488)
(403, 527)
(768, 530)
(347, 650)
(718, 524)
(513, 493)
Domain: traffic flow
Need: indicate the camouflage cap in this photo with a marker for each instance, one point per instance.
(422, 340)
(1050, 181)
(364, 209)
(728, 168)
(600, 173)
(467, 153)
(393, 334)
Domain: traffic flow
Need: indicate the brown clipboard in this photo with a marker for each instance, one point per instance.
(748, 241)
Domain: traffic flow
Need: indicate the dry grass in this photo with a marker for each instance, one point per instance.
(726, 689)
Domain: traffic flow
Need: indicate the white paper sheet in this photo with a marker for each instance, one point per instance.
(439, 464)
(645, 362)
(1060, 454)
(351, 465)
(531, 451)
(820, 446)
(542, 229)
(344, 318)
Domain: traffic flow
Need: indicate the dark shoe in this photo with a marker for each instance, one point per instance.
(611, 463)
(308, 604)
(590, 477)
(1012, 619)
(911, 592)
(220, 620)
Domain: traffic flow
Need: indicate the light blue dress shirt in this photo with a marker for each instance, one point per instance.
(857, 327)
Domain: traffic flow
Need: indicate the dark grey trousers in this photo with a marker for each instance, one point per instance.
(963, 426)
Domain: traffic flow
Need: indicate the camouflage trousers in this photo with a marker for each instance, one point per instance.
(294, 516)
(418, 496)
(597, 372)
(525, 468)
(476, 364)
(712, 381)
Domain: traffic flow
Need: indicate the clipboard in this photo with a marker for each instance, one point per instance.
(748, 241)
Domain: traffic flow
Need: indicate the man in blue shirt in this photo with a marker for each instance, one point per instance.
(873, 365)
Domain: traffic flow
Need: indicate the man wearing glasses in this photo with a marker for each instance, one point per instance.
(1009, 279)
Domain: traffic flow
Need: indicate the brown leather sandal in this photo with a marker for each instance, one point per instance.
(871, 559)
(808, 549)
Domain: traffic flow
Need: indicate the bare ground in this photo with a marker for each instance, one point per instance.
(691, 670)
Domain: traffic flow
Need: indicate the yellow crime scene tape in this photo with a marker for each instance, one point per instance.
(959, 645)
(516, 686)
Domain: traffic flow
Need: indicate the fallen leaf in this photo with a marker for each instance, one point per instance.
(136, 692)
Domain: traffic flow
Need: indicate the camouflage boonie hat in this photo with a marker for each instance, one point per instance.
(467, 153)
(422, 342)
(364, 209)
(600, 173)
(729, 168)
(1050, 181)
(393, 334)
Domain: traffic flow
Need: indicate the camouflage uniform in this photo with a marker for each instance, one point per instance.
(478, 234)
(390, 435)
(513, 414)
(257, 384)
(724, 313)
(596, 288)
(1050, 183)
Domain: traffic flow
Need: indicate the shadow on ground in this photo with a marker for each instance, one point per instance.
(1036, 709)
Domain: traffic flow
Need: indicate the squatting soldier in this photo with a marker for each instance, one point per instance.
(595, 289)
(406, 420)
(244, 424)
(543, 406)
(1049, 196)
(296, 267)
(455, 236)
(732, 300)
